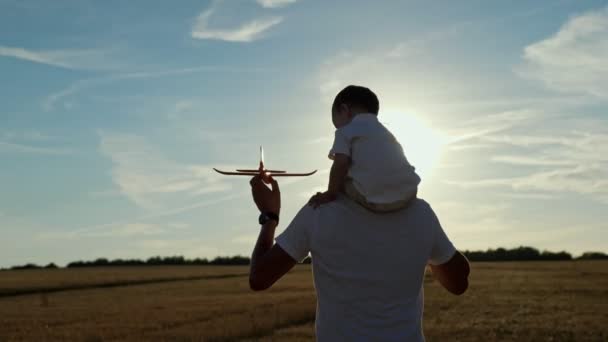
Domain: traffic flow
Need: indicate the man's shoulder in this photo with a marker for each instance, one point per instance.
(305, 218)
(420, 206)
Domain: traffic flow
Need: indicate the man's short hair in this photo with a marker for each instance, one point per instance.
(357, 96)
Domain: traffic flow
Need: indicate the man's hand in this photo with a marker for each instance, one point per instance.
(267, 200)
(320, 198)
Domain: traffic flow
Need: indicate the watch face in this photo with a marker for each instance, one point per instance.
(263, 218)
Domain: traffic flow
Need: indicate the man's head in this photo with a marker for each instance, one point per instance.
(351, 101)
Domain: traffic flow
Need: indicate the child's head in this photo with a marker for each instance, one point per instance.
(351, 101)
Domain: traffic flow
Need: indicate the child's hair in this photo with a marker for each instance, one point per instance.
(357, 96)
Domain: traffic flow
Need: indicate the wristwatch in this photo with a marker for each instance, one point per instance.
(267, 216)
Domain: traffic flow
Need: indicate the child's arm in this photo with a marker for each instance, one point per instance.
(337, 176)
(338, 172)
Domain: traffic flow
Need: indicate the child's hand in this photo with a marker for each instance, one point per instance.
(320, 198)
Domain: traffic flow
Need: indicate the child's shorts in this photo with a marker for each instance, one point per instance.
(351, 191)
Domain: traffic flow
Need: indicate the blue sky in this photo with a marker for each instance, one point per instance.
(112, 114)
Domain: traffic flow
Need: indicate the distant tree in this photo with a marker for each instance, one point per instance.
(51, 266)
(525, 253)
(78, 263)
(174, 260)
(235, 260)
(157, 260)
(593, 256)
(101, 262)
(198, 261)
(29, 266)
(563, 255)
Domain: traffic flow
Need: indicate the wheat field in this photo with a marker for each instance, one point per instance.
(524, 301)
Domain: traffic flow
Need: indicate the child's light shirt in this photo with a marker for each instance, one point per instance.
(379, 169)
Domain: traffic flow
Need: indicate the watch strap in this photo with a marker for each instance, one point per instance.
(273, 216)
(267, 216)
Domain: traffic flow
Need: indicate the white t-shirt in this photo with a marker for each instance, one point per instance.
(379, 169)
(368, 268)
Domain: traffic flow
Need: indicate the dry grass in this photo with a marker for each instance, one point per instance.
(32, 281)
(221, 308)
(528, 301)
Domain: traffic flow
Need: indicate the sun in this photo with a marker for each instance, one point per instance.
(422, 145)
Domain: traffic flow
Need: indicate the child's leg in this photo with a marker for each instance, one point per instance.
(407, 200)
(351, 191)
(354, 194)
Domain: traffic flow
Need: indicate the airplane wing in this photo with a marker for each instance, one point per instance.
(276, 171)
(252, 170)
(278, 174)
(237, 173)
(292, 174)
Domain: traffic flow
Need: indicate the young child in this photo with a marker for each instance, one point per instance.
(368, 162)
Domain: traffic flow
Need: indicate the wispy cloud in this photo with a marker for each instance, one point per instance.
(490, 125)
(549, 154)
(176, 210)
(531, 160)
(21, 148)
(575, 59)
(31, 142)
(529, 195)
(51, 100)
(92, 59)
(119, 231)
(163, 213)
(148, 178)
(425, 41)
(245, 32)
(28, 135)
(275, 3)
(580, 179)
(574, 162)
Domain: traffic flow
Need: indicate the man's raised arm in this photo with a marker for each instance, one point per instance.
(269, 262)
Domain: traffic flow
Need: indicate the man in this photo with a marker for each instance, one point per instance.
(369, 246)
(368, 268)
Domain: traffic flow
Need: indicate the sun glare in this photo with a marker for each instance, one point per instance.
(422, 145)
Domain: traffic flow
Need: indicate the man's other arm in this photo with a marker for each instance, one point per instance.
(453, 275)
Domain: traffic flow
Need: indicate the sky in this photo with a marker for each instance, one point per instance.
(113, 113)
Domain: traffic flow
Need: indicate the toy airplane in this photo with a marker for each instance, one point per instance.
(262, 171)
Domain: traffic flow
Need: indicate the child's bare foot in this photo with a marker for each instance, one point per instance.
(320, 198)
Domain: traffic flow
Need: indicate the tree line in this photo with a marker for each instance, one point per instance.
(153, 261)
(521, 253)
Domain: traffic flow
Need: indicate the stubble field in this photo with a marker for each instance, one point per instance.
(525, 301)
